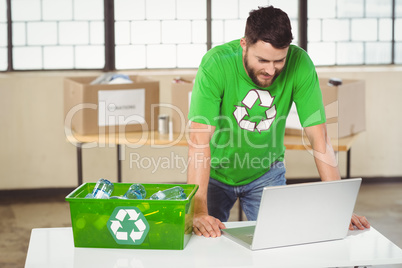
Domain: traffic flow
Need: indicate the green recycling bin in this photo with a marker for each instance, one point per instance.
(132, 223)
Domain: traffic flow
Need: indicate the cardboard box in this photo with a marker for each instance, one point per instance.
(181, 97)
(110, 108)
(345, 109)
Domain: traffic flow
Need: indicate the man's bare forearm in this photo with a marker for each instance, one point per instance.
(198, 173)
(199, 160)
(323, 152)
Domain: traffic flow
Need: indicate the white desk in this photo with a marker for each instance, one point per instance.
(54, 247)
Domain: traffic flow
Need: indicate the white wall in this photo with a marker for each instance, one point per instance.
(35, 153)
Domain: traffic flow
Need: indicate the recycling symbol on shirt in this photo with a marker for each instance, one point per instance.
(249, 100)
(128, 226)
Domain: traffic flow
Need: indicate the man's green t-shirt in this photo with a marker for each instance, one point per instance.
(249, 120)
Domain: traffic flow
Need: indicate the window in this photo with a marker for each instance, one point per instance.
(346, 32)
(398, 32)
(3, 35)
(62, 34)
(146, 34)
(160, 33)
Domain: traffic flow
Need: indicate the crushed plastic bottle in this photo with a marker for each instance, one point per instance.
(174, 193)
(102, 190)
(136, 191)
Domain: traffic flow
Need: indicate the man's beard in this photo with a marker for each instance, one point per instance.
(253, 74)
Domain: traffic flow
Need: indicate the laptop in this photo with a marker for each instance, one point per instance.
(300, 214)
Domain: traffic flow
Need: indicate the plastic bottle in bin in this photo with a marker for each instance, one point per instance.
(103, 189)
(175, 193)
(136, 191)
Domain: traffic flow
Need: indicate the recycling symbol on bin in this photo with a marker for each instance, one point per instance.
(249, 100)
(128, 226)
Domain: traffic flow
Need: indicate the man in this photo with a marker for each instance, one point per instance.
(241, 97)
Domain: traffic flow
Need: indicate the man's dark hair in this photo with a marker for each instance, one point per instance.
(270, 25)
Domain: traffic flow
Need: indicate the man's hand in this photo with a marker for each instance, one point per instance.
(206, 225)
(359, 221)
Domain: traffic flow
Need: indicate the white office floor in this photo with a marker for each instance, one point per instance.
(381, 203)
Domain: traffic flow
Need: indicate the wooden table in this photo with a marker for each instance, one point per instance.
(154, 139)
